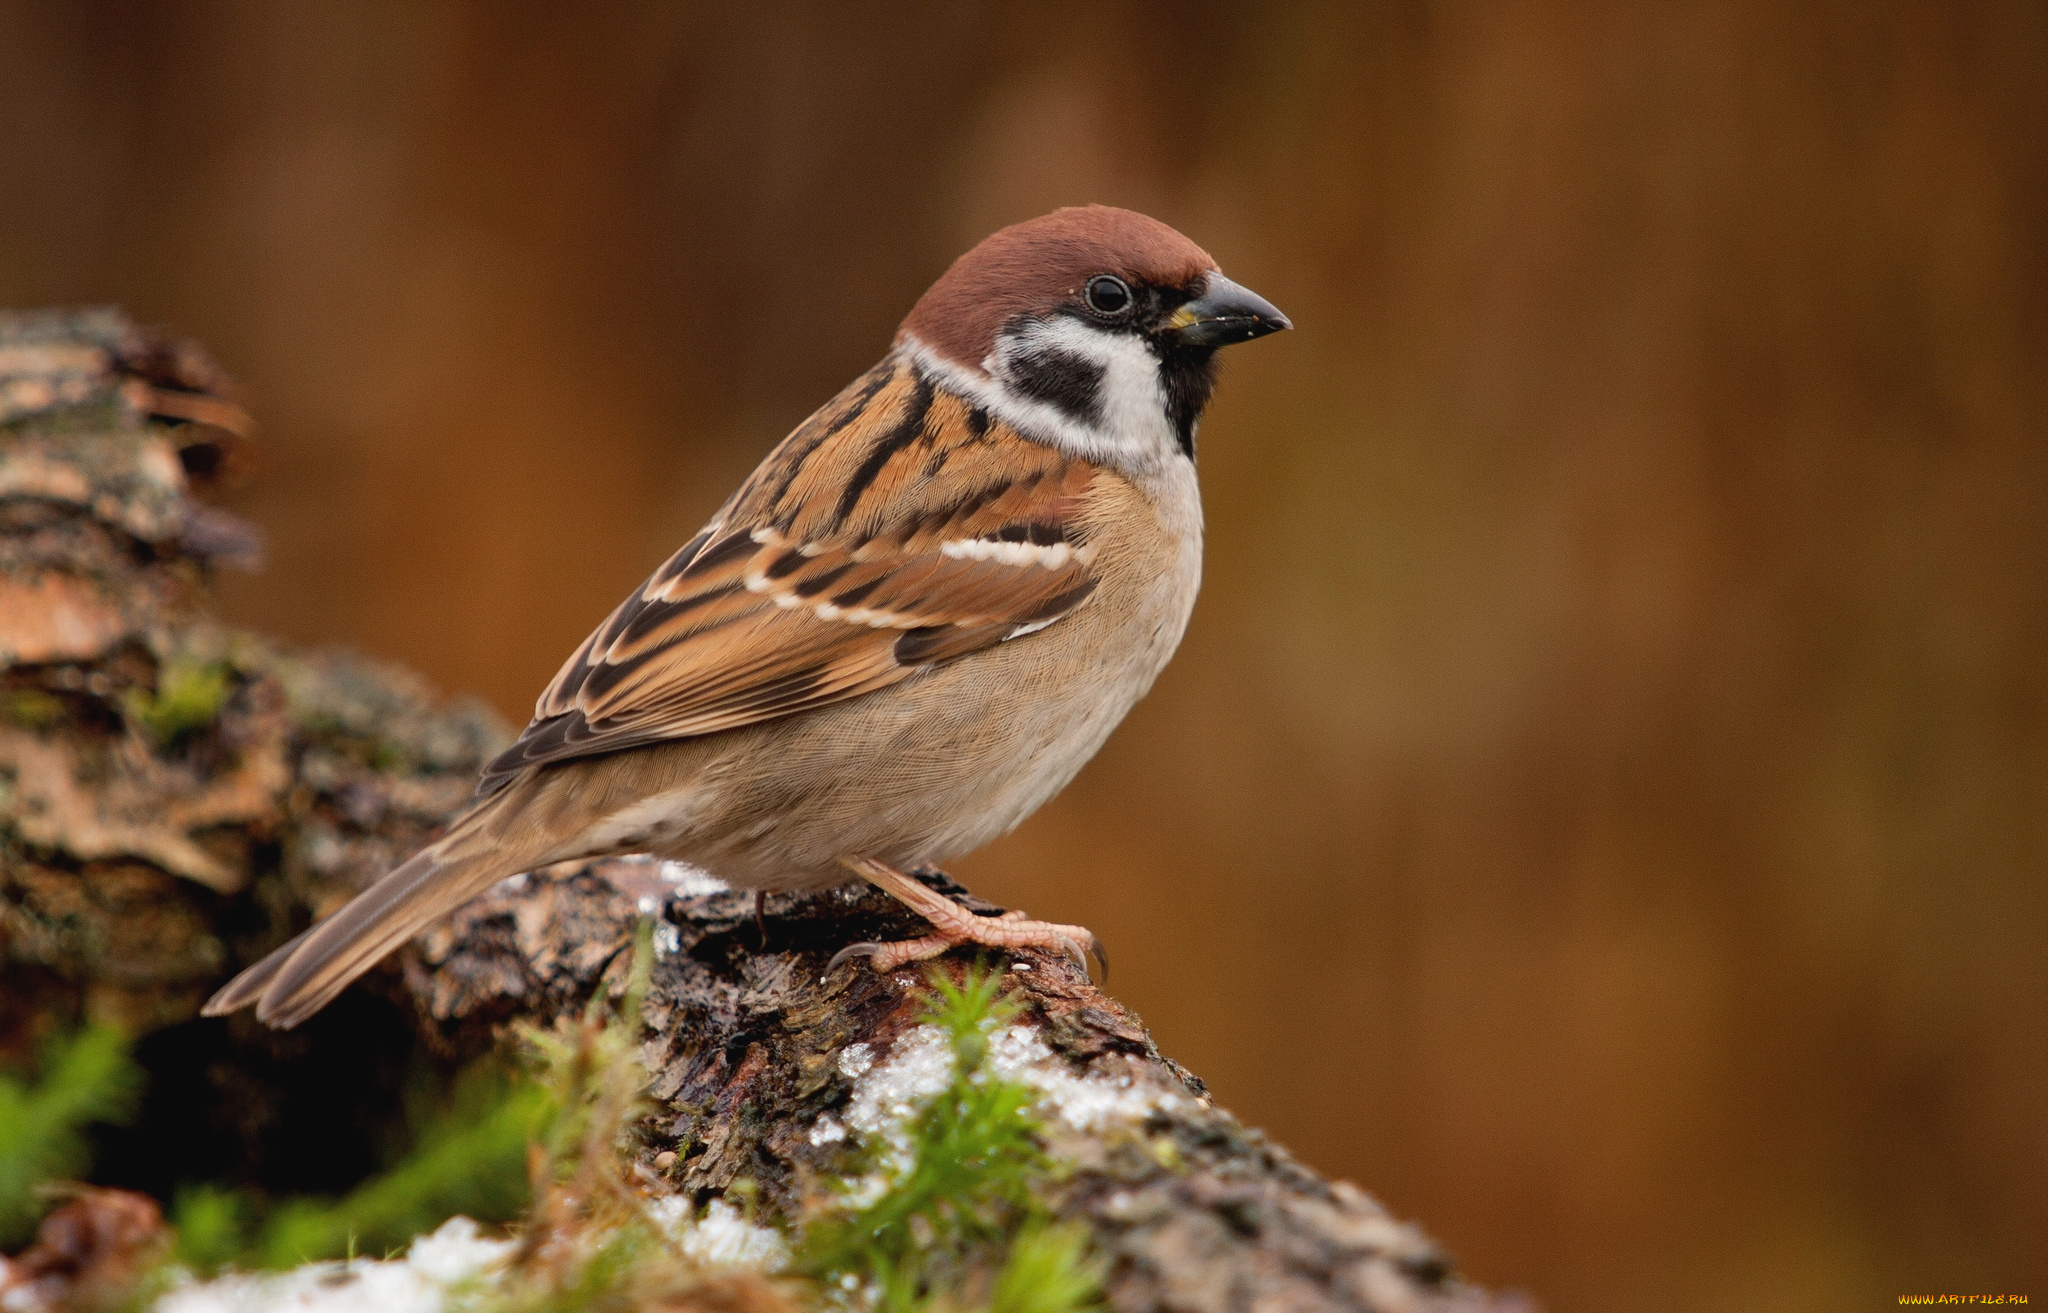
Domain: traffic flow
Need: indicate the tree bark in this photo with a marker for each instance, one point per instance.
(176, 798)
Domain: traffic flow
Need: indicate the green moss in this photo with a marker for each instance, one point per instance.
(961, 1222)
(188, 697)
(967, 1203)
(469, 1158)
(1049, 1269)
(31, 708)
(85, 1078)
(213, 1225)
(389, 758)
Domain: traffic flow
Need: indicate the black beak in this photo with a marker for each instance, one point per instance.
(1225, 314)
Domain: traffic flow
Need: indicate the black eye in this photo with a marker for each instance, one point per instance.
(1108, 295)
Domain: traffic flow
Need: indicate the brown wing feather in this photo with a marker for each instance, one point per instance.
(896, 527)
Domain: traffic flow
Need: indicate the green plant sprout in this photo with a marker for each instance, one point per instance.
(85, 1077)
(470, 1158)
(188, 698)
(966, 1203)
(500, 1144)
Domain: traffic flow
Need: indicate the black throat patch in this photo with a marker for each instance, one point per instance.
(1188, 377)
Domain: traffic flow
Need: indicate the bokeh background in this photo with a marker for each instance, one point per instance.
(1602, 804)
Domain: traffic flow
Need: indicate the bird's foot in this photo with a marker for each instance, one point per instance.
(953, 925)
(1012, 930)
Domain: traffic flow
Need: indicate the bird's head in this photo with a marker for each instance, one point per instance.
(1092, 328)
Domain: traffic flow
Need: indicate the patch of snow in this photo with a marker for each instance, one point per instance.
(865, 1191)
(855, 1061)
(1085, 1103)
(920, 1064)
(454, 1252)
(421, 1282)
(23, 1298)
(723, 1237)
(887, 1094)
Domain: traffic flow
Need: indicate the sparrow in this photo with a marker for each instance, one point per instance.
(909, 628)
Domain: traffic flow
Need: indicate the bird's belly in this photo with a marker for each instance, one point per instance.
(945, 762)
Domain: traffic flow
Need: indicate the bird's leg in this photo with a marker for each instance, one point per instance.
(953, 925)
(761, 916)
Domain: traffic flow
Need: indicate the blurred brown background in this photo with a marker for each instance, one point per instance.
(1600, 804)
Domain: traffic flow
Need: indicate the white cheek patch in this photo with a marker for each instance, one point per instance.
(1131, 430)
(1132, 401)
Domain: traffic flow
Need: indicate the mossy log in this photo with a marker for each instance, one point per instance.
(176, 798)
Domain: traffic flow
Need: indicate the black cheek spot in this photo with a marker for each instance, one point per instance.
(1068, 383)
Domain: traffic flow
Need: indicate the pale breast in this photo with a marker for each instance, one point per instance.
(961, 753)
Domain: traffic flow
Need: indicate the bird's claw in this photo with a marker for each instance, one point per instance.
(868, 948)
(1100, 954)
(1078, 951)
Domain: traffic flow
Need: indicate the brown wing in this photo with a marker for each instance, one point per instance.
(897, 527)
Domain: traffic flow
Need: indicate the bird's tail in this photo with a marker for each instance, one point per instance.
(302, 977)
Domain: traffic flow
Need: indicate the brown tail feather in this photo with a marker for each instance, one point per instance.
(302, 977)
(247, 987)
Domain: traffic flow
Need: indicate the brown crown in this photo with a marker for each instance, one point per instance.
(1031, 267)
